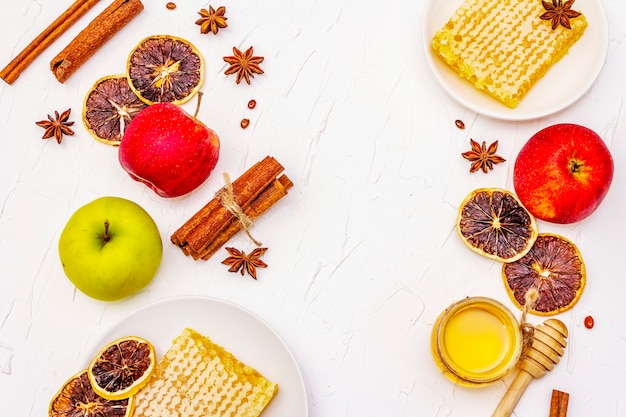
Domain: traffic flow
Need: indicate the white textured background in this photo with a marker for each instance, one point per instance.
(363, 253)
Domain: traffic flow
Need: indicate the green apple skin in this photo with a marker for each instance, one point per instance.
(123, 265)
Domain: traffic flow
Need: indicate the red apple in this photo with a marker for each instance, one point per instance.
(170, 151)
(563, 173)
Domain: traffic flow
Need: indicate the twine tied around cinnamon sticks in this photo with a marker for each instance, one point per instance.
(227, 198)
(528, 330)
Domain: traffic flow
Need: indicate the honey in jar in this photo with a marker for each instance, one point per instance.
(476, 341)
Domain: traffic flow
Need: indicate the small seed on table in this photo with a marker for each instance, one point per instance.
(245, 123)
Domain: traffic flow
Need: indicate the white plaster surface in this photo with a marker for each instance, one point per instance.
(362, 255)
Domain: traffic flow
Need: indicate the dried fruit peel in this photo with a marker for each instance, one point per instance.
(109, 106)
(165, 68)
(555, 267)
(493, 222)
(77, 398)
(122, 368)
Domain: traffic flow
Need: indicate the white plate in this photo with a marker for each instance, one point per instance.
(239, 331)
(564, 83)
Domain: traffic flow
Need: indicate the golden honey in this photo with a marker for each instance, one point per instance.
(476, 341)
(502, 47)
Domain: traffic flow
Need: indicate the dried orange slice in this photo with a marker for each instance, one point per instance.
(109, 107)
(122, 368)
(165, 68)
(76, 398)
(555, 268)
(494, 223)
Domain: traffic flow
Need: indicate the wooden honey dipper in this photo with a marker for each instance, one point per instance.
(544, 353)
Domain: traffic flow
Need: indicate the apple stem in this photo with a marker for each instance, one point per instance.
(106, 237)
(195, 115)
(575, 166)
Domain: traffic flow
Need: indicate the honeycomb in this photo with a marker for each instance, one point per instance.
(503, 47)
(197, 377)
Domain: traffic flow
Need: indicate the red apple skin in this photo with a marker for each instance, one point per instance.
(563, 173)
(168, 150)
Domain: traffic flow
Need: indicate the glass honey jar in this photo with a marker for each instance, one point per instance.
(476, 341)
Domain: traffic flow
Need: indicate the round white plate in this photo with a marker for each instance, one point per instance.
(239, 331)
(564, 83)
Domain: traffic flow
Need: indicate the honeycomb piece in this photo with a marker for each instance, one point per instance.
(196, 377)
(503, 47)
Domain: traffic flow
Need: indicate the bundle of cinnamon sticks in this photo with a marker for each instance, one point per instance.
(254, 192)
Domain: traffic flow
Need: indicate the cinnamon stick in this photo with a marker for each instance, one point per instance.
(93, 37)
(558, 403)
(12, 71)
(244, 191)
(214, 217)
(270, 195)
(254, 192)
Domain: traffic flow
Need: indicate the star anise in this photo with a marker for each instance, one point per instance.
(483, 157)
(244, 64)
(58, 126)
(212, 20)
(559, 12)
(239, 261)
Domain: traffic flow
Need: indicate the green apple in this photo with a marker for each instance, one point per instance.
(110, 248)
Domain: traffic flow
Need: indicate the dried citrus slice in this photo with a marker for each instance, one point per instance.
(109, 107)
(555, 268)
(76, 398)
(165, 68)
(122, 368)
(494, 223)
